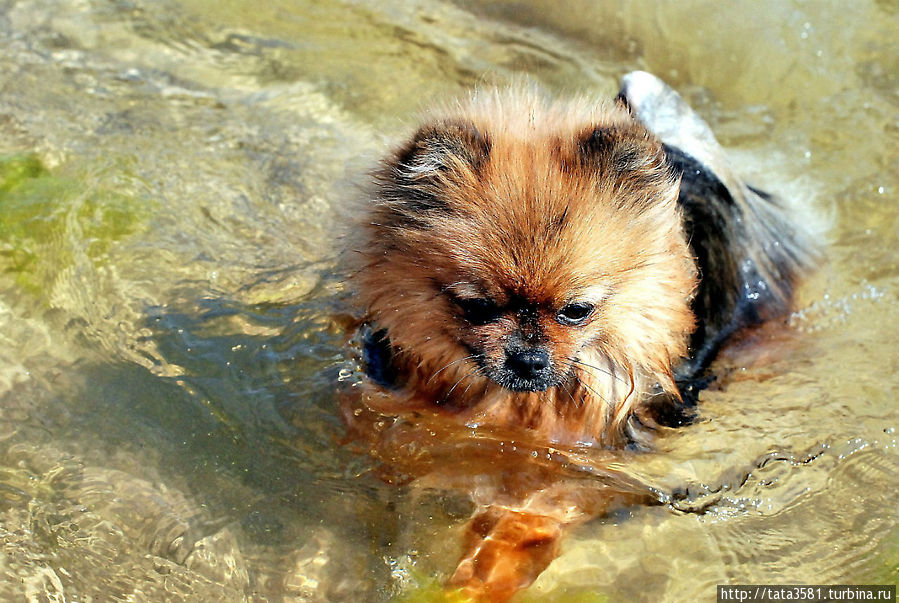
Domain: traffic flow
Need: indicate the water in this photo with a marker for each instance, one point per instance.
(172, 176)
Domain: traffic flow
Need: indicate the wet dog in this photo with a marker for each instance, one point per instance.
(561, 273)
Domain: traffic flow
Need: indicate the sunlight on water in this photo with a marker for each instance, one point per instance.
(174, 177)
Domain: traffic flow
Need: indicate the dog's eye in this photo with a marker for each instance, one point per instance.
(575, 313)
(479, 310)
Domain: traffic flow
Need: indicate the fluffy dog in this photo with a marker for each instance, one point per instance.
(561, 272)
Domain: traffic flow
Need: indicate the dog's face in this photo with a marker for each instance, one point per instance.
(510, 244)
(523, 341)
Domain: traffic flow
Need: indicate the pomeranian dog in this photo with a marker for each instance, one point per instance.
(560, 272)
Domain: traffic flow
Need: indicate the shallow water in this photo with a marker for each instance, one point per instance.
(172, 176)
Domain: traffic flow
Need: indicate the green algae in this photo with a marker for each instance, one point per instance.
(50, 219)
(431, 591)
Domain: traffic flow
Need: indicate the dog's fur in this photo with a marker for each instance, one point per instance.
(558, 270)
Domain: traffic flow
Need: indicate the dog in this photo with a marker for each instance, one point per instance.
(558, 273)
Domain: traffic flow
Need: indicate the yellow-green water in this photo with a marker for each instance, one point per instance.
(172, 176)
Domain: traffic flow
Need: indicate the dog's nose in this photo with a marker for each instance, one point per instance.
(528, 364)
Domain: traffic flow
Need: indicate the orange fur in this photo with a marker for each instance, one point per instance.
(620, 245)
(532, 205)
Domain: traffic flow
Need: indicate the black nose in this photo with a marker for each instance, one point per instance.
(527, 364)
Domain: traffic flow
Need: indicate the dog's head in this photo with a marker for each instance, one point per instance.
(513, 238)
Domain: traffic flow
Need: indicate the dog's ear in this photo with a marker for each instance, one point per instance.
(442, 147)
(625, 155)
(622, 149)
(416, 180)
(622, 102)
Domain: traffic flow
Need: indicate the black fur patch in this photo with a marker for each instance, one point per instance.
(599, 144)
(414, 181)
(440, 143)
(698, 183)
(378, 358)
(733, 291)
(623, 152)
(621, 99)
(712, 225)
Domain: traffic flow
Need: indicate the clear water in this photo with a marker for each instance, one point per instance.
(172, 176)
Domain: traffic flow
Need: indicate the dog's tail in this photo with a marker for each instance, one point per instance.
(749, 253)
